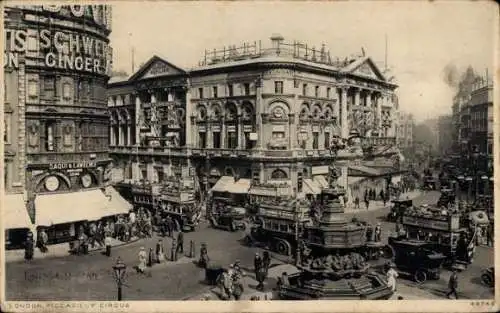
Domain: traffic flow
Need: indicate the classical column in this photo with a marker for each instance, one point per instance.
(240, 133)
(210, 137)
(368, 98)
(378, 104)
(258, 114)
(120, 134)
(138, 113)
(292, 131)
(129, 136)
(223, 128)
(112, 135)
(343, 118)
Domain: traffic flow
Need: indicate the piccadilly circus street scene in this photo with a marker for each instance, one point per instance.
(257, 151)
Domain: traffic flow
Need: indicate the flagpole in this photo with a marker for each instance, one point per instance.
(386, 51)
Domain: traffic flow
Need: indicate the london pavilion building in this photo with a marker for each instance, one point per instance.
(56, 125)
(248, 118)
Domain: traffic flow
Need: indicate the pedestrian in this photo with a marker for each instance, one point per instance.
(378, 233)
(160, 253)
(107, 242)
(151, 258)
(29, 247)
(367, 203)
(93, 234)
(453, 285)
(392, 274)
(180, 242)
(42, 241)
(168, 225)
(225, 284)
(489, 235)
(141, 267)
(266, 260)
(203, 262)
(356, 203)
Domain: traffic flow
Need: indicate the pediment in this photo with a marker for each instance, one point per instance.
(157, 67)
(366, 68)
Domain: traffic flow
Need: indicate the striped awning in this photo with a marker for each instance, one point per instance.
(310, 187)
(321, 181)
(223, 184)
(241, 186)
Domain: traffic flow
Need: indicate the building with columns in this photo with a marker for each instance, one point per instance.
(250, 116)
(56, 121)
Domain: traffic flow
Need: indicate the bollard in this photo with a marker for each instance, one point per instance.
(192, 253)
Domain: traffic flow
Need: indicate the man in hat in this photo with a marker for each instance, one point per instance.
(378, 232)
(203, 262)
(42, 240)
(453, 285)
(107, 242)
(141, 267)
(180, 242)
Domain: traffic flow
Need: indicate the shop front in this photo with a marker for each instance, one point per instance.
(16, 221)
(61, 214)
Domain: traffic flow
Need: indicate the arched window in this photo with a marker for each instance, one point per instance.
(202, 113)
(231, 112)
(316, 111)
(279, 174)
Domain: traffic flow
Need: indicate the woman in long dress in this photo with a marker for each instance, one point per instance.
(142, 260)
(160, 254)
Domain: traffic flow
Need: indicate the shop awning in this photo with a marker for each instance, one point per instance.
(52, 209)
(15, 213)
(241, 186)
(223, 184)
(321, 181)
(310, 187)
(116, 203)
(351, 180)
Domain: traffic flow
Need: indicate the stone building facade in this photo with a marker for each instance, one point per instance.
(262, 116)
(56, 121)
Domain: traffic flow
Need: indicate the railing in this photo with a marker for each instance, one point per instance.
(296, 50)
(378, 141)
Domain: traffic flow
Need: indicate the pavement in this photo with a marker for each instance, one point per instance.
(58, 250)
(376, 205)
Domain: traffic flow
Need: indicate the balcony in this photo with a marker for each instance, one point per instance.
(379, 141)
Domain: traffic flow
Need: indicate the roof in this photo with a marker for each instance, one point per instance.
(352, 67)
(118, 79)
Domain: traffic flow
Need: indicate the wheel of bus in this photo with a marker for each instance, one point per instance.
(282, 247)
(486, 279)
(420, 276)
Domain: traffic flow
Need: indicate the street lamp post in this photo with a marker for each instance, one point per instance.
(469, 187)
(119, 270)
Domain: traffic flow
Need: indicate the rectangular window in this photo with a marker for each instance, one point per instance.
(299, 182)
(230, 90)
(328, 91)
(327, 140)
(316, 91)
(304, 89)
(232, 140)
(50, 131)
(203, 139)
(278, 87)
(200, 93)
(315, 140)
(248, 142)
(49, 87)
(247, 89)
(33, 88)
(161, 175)
(214, 89)
(216, 136)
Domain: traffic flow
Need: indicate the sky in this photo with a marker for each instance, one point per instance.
(423, 37)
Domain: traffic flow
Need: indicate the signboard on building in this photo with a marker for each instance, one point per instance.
(73, 165)
(429, 223)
